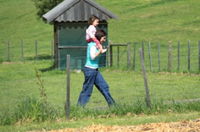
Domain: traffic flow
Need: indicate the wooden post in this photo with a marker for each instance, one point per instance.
(170, 56)
(111, 56)
(22, 50)
(199, 55)
(36, 45)
(117, 56)
(52, 50)
(158, 57)
(106, 54)
(128, 56)
(150, 58)
(67, 105)
(8, 51)
(56, 41)
(147, 99)
(188, 55)
(134, 57)
(178, 56)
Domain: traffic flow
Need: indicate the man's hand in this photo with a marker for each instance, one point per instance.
(103, 51)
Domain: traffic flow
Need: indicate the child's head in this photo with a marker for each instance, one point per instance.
(93, 20)
(101, 35)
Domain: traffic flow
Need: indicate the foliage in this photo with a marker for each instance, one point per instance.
(40, 82)
(43, 6)
(30, 109)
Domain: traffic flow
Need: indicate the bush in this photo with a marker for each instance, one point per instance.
(30, 109)
(35, 110)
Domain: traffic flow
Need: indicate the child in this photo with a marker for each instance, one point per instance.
(91, 30)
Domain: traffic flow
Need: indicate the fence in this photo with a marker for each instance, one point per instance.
(169, 57)
(126, 86)
(174, 57)
(26, 50)
(155, 90)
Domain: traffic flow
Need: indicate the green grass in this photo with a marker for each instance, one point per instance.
(18, 80)
(155, 20)
(158, 21)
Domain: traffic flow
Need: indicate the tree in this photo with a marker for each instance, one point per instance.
(43, 6)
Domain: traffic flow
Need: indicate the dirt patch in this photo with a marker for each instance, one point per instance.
(183, 126)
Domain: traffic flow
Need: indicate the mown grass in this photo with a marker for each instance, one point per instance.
(157, 21)
(19, 80)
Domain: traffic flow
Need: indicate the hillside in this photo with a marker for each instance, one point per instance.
(154, 20)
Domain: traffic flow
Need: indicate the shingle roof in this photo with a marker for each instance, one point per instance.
(77, 10)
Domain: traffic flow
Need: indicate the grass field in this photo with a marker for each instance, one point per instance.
(150, 20)
(158, 21)
(18, 81)
(155, 21)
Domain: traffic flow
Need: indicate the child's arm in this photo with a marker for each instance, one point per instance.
(97, 42)
(99, 46)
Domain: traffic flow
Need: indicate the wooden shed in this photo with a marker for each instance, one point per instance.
(70, 22)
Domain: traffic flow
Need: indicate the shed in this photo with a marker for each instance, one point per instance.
(70, 22)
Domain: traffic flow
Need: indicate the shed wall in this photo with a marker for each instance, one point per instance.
(71, 40)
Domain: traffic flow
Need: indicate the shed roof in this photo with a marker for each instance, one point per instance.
(77, 10)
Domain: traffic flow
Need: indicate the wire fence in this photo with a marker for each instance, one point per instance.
(172, 57)
(126, 86)
(158, 57)
(25, 50)
(129, 84)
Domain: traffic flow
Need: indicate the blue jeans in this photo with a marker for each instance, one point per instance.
(94, 77)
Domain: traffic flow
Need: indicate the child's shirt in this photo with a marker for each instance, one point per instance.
(90, 32)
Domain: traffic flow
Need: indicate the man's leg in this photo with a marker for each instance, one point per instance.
(86, 92)
(103, 87)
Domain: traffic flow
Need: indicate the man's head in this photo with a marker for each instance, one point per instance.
(101, 35)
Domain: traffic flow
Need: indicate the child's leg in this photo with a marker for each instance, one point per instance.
(99, 46)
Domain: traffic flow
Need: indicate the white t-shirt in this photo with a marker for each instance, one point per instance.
(90, 32)
(93, 50)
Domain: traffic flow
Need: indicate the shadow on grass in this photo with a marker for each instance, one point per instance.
(43, 57)
(39, 57)
(51, 68)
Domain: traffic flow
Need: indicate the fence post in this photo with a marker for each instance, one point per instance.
(36, 45)
(52, 50)
(111, 56)
(199, 55)
(158, 57)
(170, 56)
(188, 55)
(67, 105)
(178, 56)
(8, 51)
(22, 50)
(147, 99)
(134, 56)
(107, 55)
(128, 55)
(150, 58)
(118, 56)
